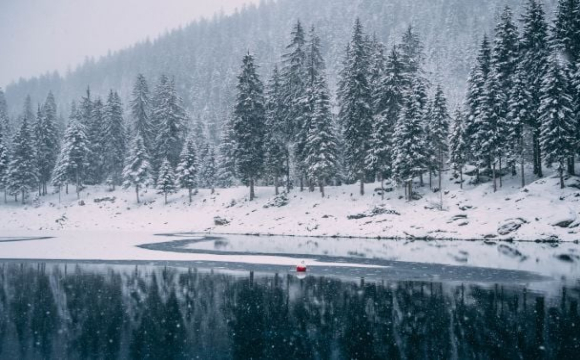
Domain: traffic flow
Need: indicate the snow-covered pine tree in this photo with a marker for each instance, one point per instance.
(208, 169)
(277, 158)
(73, 162)
(85, 110)
(187, 169)
(388, 97)
(409, 149)
(476, 87)
(4, 162)
(355, 101)
(249, 125)
(534, 53)
(23, 168)
(170, 117)
(412, 55)
(226, 172)
(504, 60)
(437, 128)
(293, 84)
(62, 172)
(5, 130)
(321, 150)
(566, 39)
(491, 130)
(166, 183)
(114, 139)
(97, 140)
(557, 117)
(520, 103)
(314, 67)
(141, 112)
(566, 31)
(137, 171)
(458, 149)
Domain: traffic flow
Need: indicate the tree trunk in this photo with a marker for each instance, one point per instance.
(500, 177)
(421, 182)
(311, 185)
(571, 169)
(301, 184)
(382, 186)
(539, 155)
(212, 189)
(252, 194)
(23, 196)
(189, 189)
(522, 160)
(362, 184)
(67, 188)
(165, 197)
(288, 186)
(494, 178)
(276, 185)
(322, 187)
(137, 193)
(440, 178)
(461, 177)
(535, 152)
(411, 190)
(430, 180)
(561, 171)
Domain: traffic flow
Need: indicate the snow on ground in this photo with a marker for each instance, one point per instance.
(541, 211)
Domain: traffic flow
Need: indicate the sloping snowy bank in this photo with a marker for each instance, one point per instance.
(540, 211)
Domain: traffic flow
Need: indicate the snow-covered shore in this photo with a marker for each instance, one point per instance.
(540, 211)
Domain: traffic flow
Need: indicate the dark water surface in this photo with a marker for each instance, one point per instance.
(88, 311)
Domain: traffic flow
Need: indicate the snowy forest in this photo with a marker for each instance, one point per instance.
(384, 116)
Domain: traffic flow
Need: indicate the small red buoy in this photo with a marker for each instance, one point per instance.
(301, 267)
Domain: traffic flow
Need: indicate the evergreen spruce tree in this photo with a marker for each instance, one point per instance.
(48, 141)
(412, 56)
(491, 128)
(314, 67)
(388, 97)
(187, 168)
(321, 149)
(85, 110)
(141, 112)
(520, 110)
(73, 161)
(166, 183)
(23, 168)
(170, 117)
(248, 125)
(476, 88)
(4, 162)
(114, 139)
(208, 169)
(458, 150)
(557, 117)
(566, 31)
(226, 172)
(277, 158)
(409, 149)
(97, 143)
(438, 132)
(294, 80)
(534, 53)
(355, 105)
(5, 130)
(137, 171)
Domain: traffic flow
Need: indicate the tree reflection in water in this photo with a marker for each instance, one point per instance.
(106, 312)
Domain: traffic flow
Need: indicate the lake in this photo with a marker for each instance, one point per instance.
(99, 310)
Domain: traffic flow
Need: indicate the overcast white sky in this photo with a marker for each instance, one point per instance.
(44, 35)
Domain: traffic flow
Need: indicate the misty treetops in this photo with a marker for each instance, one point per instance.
(387, 120)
